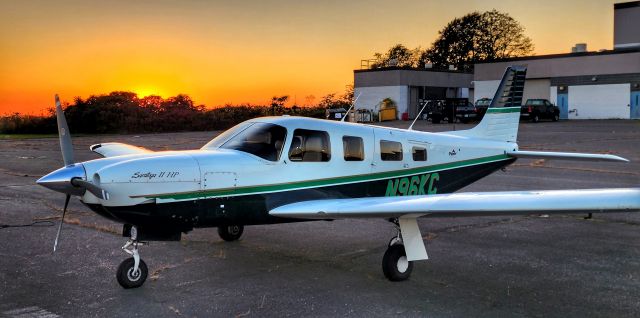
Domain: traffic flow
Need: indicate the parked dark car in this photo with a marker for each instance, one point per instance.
(482, 105)
(438, 111)
(537, 109)
(446, 109)
(466, 111)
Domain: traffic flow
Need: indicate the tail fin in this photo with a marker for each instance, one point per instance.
(501, 121)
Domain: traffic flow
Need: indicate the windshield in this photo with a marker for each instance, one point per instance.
(535, 102)
(259, 139)
(223, 137)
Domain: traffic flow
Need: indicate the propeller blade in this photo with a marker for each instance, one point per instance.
(65, 137)
(64, 211)
(94, 189)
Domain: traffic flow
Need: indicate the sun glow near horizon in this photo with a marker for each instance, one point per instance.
(146, 91)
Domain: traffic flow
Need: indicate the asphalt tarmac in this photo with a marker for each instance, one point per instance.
(524, 266)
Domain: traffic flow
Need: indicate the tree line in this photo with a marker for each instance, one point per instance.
(125, 112)
(473, 38)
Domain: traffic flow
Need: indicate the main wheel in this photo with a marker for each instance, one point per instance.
(231, 232)
(126, 276)
(395, 265)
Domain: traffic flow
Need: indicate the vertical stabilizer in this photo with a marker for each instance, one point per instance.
(501, 121)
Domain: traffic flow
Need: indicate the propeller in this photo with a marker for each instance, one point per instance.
(70, 179)
(66, 147)
(64, 211)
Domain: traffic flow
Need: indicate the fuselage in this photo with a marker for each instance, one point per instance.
(268, 162)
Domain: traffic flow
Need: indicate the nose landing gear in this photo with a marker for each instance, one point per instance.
(133, 271)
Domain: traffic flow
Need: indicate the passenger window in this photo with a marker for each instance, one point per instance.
(353, 148)
(310, 146)
(390, 150)
(419, 154)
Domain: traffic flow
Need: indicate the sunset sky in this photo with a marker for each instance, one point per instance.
(240, 51)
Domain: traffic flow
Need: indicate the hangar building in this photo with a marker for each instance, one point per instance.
(588, 85)
(407, 87)
(584, 85)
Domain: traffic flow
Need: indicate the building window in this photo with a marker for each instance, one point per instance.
(353, 148)
(310, 146)
(419, 154)
(390, 150)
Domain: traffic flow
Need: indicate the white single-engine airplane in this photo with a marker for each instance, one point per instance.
(287, 169)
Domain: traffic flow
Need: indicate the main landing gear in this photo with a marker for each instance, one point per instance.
(133, 271)
(395, 265)
(230, 233)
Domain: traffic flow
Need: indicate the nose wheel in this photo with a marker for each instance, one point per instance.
(133, 271)
(230, 233)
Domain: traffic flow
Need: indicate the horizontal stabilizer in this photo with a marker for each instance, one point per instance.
(468, 204)
(565, 156)
(112, 149)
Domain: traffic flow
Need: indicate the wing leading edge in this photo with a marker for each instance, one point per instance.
(468, 204)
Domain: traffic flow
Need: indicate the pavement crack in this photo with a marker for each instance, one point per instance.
(19, 174)
(175, 310)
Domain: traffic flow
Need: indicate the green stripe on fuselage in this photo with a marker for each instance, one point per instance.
(323, 182)
(503, 110)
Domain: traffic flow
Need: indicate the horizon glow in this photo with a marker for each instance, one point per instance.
(221, 52)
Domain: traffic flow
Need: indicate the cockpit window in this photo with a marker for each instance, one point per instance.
(261, 139)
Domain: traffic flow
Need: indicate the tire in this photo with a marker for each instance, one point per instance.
(126, 278)
(435, 120)
(556, 117)
(535, 118)
(230, 233)
(395, 265)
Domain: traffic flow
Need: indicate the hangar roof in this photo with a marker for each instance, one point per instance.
(396, 76)
(562, 65)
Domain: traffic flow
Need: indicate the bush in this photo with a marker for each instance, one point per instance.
(124, 112)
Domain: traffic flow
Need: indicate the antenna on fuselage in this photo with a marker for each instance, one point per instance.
(420, 113)
(352, 104)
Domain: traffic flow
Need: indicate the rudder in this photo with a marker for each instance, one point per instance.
(501, 120)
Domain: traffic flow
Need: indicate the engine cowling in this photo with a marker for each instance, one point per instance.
(140, 180)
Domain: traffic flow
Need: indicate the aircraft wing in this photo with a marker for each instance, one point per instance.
(112, 149)
(565, 156)
(467, 204)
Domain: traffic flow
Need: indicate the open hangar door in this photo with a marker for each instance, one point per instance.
(599, 101)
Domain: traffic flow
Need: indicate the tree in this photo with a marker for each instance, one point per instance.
(478, 37)
(277, 104)
(398, 55)
(503, 37)
(332, 100)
